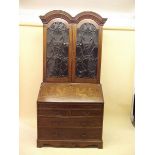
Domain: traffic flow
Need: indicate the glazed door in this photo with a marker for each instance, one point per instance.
(57, 49)
(87, 51)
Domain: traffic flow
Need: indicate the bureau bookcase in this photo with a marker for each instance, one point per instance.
(70, 103)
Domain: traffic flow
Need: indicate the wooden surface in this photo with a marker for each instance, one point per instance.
(56, 79)
(70, 92)
(72, 23)
(70, 115)
(70, 122)
(56, 14)
(74, 28)
(83, 15)
(70, 143)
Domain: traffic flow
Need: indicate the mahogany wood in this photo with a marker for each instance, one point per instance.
(90, 15)
(72, 23)
(70, 143)
(75, 26)
(69, 122)
(56, 79)
(49, 133)
(65, 112)
(70, 109)
(76, 120)
(56, 14)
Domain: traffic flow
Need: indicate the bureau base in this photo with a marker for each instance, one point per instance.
(70, 143)
(70, 115)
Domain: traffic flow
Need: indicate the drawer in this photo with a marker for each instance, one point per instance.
(68, 112)
(70, 105)
(62, 122)
(46, 133)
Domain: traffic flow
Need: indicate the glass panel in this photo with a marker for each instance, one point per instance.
(87, 51)
(57, 50)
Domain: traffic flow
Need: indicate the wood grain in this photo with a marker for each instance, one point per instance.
(70, 143)
(75, 27)
(52, 78)
(69, 133)
(69, 109)
(68, 112)
(70, 92)
(73, 23)
(70, 122)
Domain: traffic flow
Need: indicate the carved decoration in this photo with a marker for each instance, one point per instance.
(57, 50)
(87, 51)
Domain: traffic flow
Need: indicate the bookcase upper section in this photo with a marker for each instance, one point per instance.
(72, 47)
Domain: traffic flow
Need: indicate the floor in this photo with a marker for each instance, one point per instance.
(118, 135)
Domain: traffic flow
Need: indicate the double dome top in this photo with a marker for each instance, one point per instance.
(64, 15)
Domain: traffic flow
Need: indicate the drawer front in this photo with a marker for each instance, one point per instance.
(62, 122)
(68, 112)
(70, 105)
(69, 133)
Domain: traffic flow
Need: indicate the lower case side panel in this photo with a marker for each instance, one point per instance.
(70, 143)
